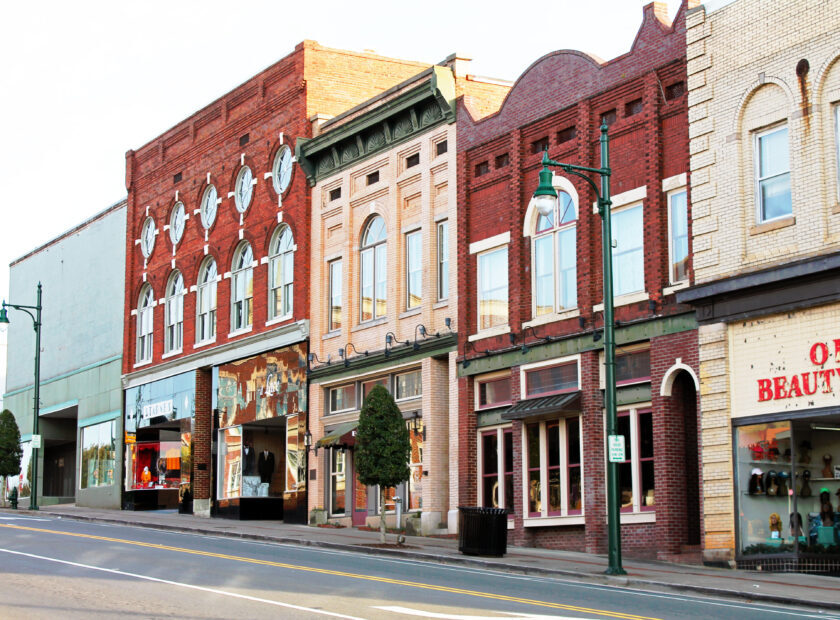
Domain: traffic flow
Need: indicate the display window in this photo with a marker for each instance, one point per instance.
(99, 454)
(496, 490)
(160, 402)
(553, 474)
(153, 465)
(251, 462)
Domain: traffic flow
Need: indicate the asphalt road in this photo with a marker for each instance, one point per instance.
(54, 568)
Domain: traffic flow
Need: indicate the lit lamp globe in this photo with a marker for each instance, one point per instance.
(545, 197)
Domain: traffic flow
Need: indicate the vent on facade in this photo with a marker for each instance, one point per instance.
(373, 177)
(677, 89)
(538, 146)
(564, 135)
(608, 117)
(441, 147)
(632, 108)
(335, 194)
(244, 139)
(482, 168)
(177, 178)
(412, 160)
(502, 160)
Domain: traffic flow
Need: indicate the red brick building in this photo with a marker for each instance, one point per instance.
(530, 303)
(217, 291)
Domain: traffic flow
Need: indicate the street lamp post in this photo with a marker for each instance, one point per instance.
(36, 319)
(545, 198)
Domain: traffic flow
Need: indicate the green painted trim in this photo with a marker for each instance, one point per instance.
(378, 361)
(538, 352)
(490, 418)
(27, 437)
(66, 374)
(102, 417)
(633, 394)
(59, 407)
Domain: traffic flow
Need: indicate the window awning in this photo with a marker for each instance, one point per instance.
(342, 435)
(546, 405)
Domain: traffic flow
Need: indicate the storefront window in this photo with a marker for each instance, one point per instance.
(251, 462)
(554, 468)
(338, 482)
(99, 453)
(230, 462)
(636, 473)
(24, 488)
(414, 501)
(153, 465)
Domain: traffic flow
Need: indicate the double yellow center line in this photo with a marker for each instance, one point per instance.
(337, 573)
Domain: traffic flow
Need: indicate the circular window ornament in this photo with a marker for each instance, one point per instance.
(147, 237)
(281, 171)
(177, 221)
(208, 207)
(244, 189)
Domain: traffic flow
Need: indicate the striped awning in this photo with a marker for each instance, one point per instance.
(342, 435)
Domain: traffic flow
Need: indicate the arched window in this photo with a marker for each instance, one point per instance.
(242, 288)
(145, 315)
(174, 315)
(374, 270)
(205, 329)
(555, 258)
(281, 272)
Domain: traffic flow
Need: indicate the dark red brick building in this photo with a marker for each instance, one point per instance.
(217, 291)
(530, 303)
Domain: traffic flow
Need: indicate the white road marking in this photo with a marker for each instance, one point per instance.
(23, 519)
(407, 611)
(184, 585)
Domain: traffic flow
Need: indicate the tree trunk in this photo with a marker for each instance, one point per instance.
(382, 514)
(5, 491)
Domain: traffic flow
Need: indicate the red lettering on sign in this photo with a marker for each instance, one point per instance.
(794, 387)
(826, 375)
(779, 388)
(819, 348)
(765, 392)
(837, 350)
(806, 383)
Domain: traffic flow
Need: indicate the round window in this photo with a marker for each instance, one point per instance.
(147, 237)
(244, 190)
(208, 207)
(281, 172)
(177, 222)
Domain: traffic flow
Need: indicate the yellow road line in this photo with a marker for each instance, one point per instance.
(324, 571)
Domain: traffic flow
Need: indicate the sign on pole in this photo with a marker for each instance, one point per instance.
(615, 444)
(36, 441)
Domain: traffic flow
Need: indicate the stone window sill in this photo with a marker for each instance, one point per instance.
(764, 227)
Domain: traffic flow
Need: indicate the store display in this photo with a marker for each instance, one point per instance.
(248, 460)
(265, 465)
(784, 478)
(250, 486)
(805, 491)
(827, 472)
(805, 452)
(795, 524)
(771, 485)
(756, 486)
(775, 526)
(826, 509)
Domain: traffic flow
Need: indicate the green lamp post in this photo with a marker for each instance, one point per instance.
(545, 198)
(36, 319)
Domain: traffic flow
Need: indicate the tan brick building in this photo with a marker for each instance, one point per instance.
(764, 112)
(384, 288)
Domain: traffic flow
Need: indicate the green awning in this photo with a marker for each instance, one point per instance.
(544, 406)
(342, 435)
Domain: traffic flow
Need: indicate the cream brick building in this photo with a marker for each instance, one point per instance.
(764, 95)
(384, 288)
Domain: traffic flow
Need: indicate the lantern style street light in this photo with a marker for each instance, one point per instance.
(545, 199)
(36, 319)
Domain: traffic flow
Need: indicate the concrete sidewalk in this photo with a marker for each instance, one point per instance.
(785, 588)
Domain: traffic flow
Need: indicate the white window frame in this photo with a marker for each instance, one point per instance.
(279, 258)
(277, 170)
(209, 202)
(634, 205)
(500, 460)
(636, 514)
(174, 314)
(333, 476)
(554, 232)
(489, 378)
(243, 189)
(558, 361)
(242, 271)
(373, 249)
(443, 260)
(174, 234)
(145, 325)
(503, 327)
(353, 406)
(397, 376)
(415, 236)
(206, 288)
(335, 287)
(759, 205)
(671, 263)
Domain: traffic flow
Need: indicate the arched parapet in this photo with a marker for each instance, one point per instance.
(671, 375)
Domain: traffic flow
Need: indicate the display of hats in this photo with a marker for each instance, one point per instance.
(824, 490)
(784, 475)
(772, 473)
(756, 472)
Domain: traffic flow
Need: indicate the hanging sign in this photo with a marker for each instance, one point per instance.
(36, 441)
(615, 443)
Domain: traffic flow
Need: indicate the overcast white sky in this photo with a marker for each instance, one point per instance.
(82, 82)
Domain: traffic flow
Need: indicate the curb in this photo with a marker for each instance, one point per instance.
(598, 579)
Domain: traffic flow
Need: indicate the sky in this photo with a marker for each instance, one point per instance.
(82, 82)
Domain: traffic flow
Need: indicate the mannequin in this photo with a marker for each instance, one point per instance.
(265, 465)
(827, 471)
(248, 460)
(775, 526)
(146, 475)
(771, 485)
(783, 479)
(756, 486)
(795, 524)
(826, 510)
(805, 491)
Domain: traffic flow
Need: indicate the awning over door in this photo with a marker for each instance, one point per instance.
(343, 435)
(544, 406)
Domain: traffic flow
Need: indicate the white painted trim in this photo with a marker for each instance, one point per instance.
(529, 223)
(623, 199)
(675, 182)
(239, 332)
(671, 374)
(278, 319)
(623, 300)
(204, 343)
(330, 258)
(668, 290)
(489, 243)
(441, 216)
(543, 319)
(553, 521)
(498, 330)
(638, 517)
(557, 361)
(171, 354)
(143, 363)
(410, 228)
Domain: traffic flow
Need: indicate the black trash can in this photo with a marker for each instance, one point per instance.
(482, 531)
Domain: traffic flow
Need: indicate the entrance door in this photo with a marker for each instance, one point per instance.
(359, 500)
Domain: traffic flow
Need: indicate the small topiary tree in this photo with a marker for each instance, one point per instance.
(383, 446)
(10, 450)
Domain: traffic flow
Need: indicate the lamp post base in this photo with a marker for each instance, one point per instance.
(615, 571)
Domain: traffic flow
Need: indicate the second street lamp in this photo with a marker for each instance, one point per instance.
(545, 198)
(36, 319)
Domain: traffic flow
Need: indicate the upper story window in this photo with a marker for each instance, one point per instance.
(409, 385)
(678, 235)
(281, 170)
(145, 319)
(443, 260)
(209, 203)
(493, 288)
(555, 258)
(281, 272)
(206, 301)
(174, 316)
(343, 398)
(243, 189)
(242, 288)
(335, 276)
(628, 250)
(545, 380)
(494, 392)
(772, 174)
(177, 222)
(147, 237)
(374, 270)
(632, 367)
(413, 269)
